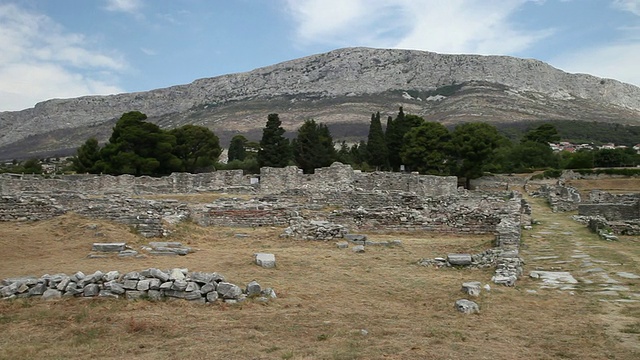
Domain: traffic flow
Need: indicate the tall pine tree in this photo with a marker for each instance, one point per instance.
(313, 147)
(274, 147)
(378, 154)
(396, 130)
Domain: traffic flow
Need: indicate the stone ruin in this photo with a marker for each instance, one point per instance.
(152, 284)
(559, 196)
(608, 214)
(317, 206)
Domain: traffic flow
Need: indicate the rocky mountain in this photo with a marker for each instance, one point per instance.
(340, 88)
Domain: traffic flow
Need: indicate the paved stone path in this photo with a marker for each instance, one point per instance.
(564, 257)
(561, 254)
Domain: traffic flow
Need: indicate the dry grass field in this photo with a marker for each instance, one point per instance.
(326, 298)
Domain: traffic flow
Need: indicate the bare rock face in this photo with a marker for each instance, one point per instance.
(488, 88)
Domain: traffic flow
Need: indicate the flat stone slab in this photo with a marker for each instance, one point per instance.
(459, 259)
(627, 275)
(550, 257)
(108, 247)
(265, 260)
(581, 256)
(554, 277)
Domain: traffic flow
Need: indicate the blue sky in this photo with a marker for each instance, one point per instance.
(69, 48)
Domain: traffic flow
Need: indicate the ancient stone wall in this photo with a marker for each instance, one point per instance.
(337, 177)
(153, 284)
(176, 183)
(610, 211)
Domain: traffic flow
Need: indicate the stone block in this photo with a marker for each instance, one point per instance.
(91, 290)
(135, 294)
(459, 259)
(228, 291)
(358, 249)
(177, 274)
(471, 288)
(37, 289)
(212, 296)
(108, 294)
(159, 274)
(179, 285)
(342, 245)
(265, 260)
(109, 247)
(207, 288)
(253, 289)
(130, 284)
(466, 306)
(51, 294)
(143, 285)
(355, 237)
(154, 295)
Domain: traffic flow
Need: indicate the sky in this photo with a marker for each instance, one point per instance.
(70, 48)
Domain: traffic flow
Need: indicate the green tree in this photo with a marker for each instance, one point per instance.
(427, 149)
(545, 133)
(32, 166)
(139, 148)
(531, 155)
(313, 147)
(274, 147)
(237, 148)
(474, 145)
(581, 159)
(86, 157)
(197, 147)
(394, 136)
(615, 157)
(378, 154)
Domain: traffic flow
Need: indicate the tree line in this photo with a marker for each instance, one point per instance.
(407, 142)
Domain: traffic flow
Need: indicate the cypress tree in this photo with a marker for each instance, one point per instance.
(378, 154)
(274, 147)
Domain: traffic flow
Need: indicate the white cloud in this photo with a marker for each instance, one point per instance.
(127, 6)
(40, 60)
(148, 51)
(454, 26)
(628, 5)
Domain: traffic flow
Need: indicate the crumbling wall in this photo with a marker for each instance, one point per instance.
(176, 183)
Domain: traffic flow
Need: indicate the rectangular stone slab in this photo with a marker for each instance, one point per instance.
(108, 247)
(459, 259)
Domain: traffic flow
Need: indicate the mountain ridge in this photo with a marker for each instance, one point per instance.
(489, 88)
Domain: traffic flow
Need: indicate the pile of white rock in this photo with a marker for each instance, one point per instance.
(153, 284)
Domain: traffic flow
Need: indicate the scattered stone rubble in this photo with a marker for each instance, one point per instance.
(152, 284)
(314, 230)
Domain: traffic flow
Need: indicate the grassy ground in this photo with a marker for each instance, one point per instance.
(326, 297)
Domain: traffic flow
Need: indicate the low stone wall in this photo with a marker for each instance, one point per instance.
(473, 213)
(498, 183)
(29, 208)
(613, 212)
(152, 284)
(147, 217)
(342, 178)
(177, 183)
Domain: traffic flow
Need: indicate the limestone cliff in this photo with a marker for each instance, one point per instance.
(339, 87)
